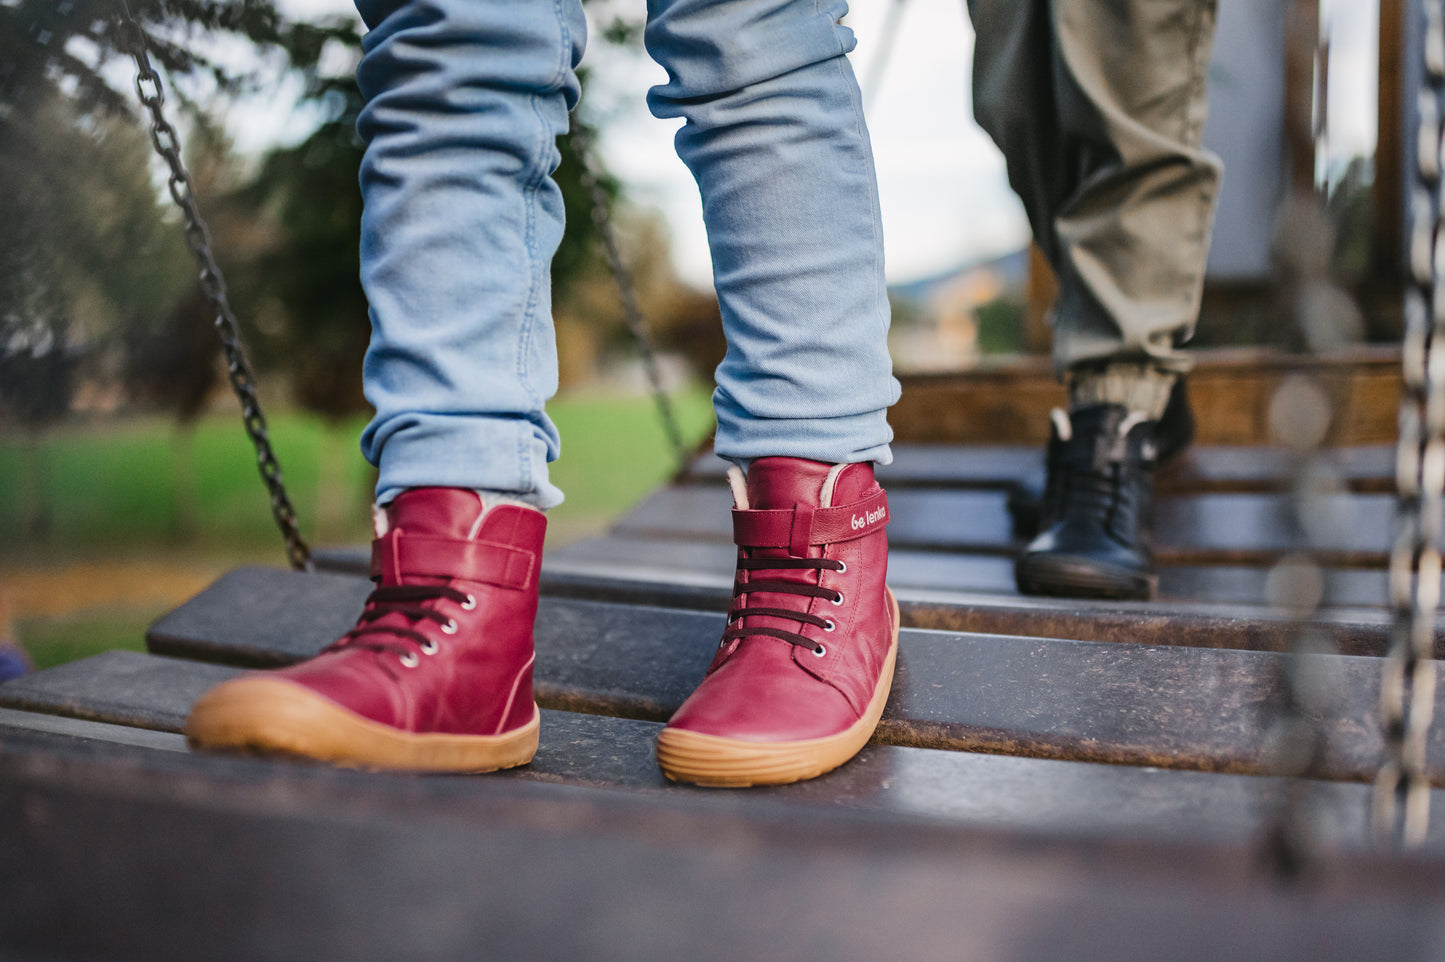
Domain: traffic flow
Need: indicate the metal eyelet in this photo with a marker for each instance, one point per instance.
(842, 567)
(470, 604)
(819, 652)
(838, 601)
(430, 647)
(409, 660)
(450, 628)
(830, 626)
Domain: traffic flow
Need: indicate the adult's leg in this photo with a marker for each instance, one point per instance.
(774, 135)
(465, 100)
(1098, 107)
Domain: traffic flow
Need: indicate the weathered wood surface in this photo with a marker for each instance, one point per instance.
(1201, 709)
(118, 687)
(712, 563)
(150, 855)
(979, 790)
(958, 592)
(1216, 470)
(99, 736)
(1229, 389)
(1250, 529)
(1207, 606)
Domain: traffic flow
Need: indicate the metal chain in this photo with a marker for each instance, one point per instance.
(1407, 686)
(627, 290)
(1301, 414)
(198, 238)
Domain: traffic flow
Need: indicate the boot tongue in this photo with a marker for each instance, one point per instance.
(436, 512)
(780, 483)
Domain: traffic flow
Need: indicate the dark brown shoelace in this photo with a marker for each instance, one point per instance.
(787, 588)
(405, 600)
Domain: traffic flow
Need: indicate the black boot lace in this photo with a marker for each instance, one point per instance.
(1109, 489)
(409, 601)
(788, 588)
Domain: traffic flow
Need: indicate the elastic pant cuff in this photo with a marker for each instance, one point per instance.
(1138, 387)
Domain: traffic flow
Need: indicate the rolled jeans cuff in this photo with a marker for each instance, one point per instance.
(506, 455)
(849, 439)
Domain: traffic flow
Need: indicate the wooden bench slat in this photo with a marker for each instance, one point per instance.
(982, 790)
(1189, 529)
(117, 687)
(1133, 704)
(103, 734)
(708, 562)
(1367, 468)
(153, 855)
(975, 593)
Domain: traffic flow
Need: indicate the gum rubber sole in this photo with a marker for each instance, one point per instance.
(714, 761)
(275, 717)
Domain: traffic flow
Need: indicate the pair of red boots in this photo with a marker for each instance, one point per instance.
(437, 673)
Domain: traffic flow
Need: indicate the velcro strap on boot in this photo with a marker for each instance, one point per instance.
(396, 554)
(801, 526)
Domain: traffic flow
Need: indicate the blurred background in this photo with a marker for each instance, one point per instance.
(126, 482)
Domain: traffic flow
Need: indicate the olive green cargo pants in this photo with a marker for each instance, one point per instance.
(1098, 107)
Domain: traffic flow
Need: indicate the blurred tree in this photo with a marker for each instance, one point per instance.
(37, 378)
(74, 165)
(288, 238)
(87, 239)
(73, 192)
(1001, 325)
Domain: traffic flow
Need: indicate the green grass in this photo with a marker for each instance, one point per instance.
(113, 485)
(55, 641)
(110, 489)
(614, 450)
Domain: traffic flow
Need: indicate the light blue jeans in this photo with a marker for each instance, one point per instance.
(465, 100)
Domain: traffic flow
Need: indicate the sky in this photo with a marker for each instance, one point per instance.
(942, 185)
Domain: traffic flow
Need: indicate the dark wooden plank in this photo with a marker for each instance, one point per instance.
(1368, 468)
(146, 855)
(975, 593)
(994, 791)
(1201, 607)
(102, 735)
(696, 563)
(119, 687)
(1252, 529)
(313, 606)
(1202, 709)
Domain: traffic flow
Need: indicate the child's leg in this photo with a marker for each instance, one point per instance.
(774, 135)
(465, 99)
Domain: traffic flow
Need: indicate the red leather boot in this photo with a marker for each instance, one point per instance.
(437, 673)
(804, 668)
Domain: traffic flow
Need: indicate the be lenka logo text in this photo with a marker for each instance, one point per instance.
(861, 521)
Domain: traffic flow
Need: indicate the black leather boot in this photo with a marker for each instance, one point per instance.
(1174, 434)
(1095, 510)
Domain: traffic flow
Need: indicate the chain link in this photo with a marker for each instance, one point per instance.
(1407, 684)
(627, 291)
(198, 238)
